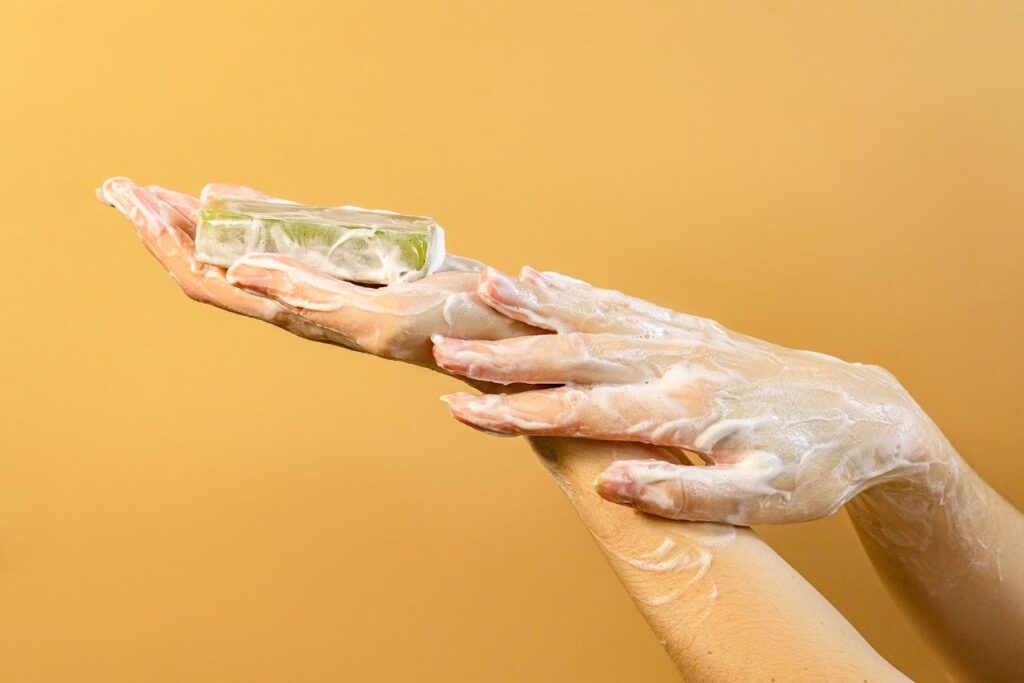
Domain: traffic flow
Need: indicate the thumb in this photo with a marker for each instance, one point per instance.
(730, 494)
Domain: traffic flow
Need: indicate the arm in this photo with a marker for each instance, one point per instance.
(949, 548)
(787, 436)
(722, 602)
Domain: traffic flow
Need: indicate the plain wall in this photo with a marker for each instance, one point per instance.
(188, 495)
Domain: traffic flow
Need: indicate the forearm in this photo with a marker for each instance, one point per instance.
(725, 606)
(949, 549)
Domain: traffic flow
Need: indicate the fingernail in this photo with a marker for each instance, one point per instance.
(449, 343)
(562, 280)
(534, 277)
(457, 400)
(462, 406)
(447, 352)
(496, 286)
(134, 202)
(617, 484)
(611, 490)
(249, 277)
(466, 406)
(109, 191)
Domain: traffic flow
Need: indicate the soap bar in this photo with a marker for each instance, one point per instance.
(346, 242)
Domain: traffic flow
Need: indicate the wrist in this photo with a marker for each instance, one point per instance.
(905, 511)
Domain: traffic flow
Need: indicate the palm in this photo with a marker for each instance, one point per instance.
(393, 322)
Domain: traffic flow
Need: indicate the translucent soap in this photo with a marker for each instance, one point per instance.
(347, 242)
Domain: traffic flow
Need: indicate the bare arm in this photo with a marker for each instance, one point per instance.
(950, 550)
(725, 605)
(787, 436)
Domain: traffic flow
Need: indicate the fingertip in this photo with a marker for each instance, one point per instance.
(616, 484)
(470, 410)
(268, 275)
(565, 280)
(456, 399)
(460, 405)
(257, 260)
(446, 352)
(466, 406)
(534, 277)
(114, 191)
(139, 205)
(215, 191)
(497, 288)
(489, 274)
(248, 276)
(110, 188)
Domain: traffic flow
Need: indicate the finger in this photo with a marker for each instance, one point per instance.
(539, 301)
(395, 321)
(155, 221)
(609, 412)
(370, 320)
(214, 191)
(294, 283)
(731, 494)
(658, 315)
(185, 205)
(574, 358)
(460, 264)
(539, 306)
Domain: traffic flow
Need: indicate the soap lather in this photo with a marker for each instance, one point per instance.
(346, 242)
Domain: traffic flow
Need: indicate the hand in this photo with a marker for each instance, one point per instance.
(788, 435)
(393, 322)
(396, 322)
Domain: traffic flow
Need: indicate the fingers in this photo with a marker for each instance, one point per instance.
(156, 222)
(215, 191)
(460, 264)
(575, 358)
(613, 298)
(732, 494)
(566, 305)
(185, 205)
(366, 319)
(295, 284)
(610, 412)
(540, 306)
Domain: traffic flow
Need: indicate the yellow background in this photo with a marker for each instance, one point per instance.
(191, 496)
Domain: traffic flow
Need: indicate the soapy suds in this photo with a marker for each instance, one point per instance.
(789, 435)
(688, 564)
(394, 321)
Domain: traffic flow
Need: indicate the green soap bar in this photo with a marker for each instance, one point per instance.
(346, 242)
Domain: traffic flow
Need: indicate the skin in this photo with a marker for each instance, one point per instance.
(724, 605)
(787, 436)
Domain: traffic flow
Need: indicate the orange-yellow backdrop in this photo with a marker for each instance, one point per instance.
(190, 496)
